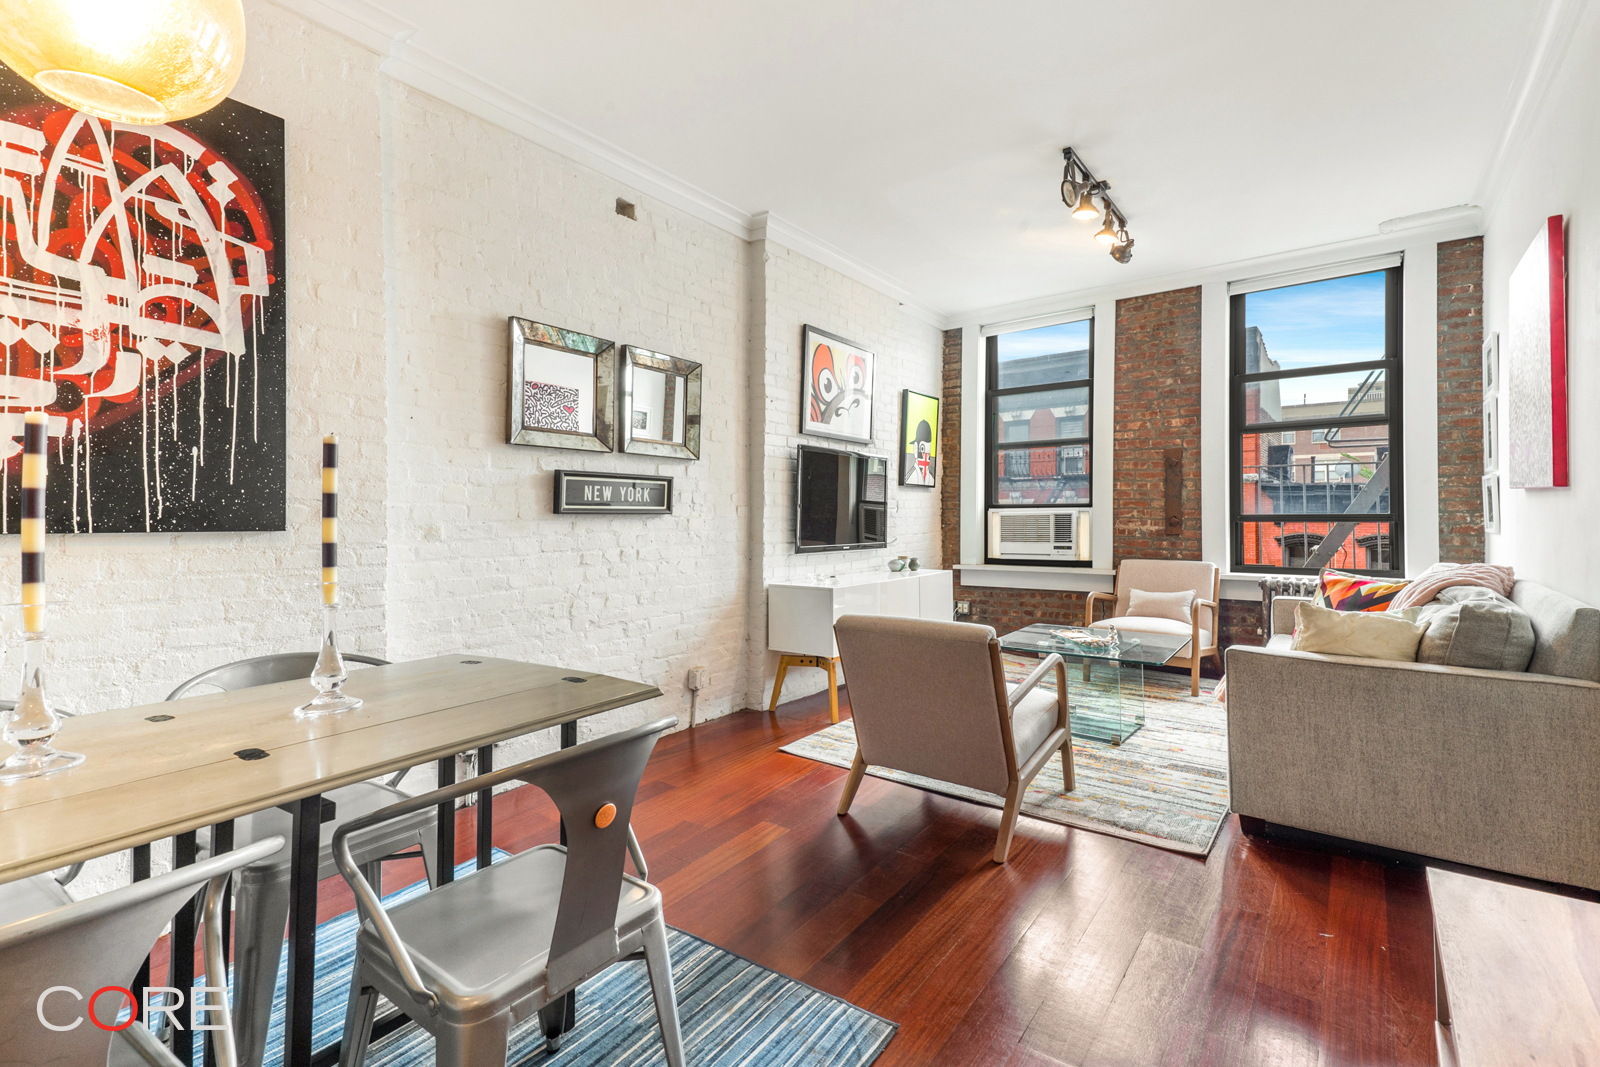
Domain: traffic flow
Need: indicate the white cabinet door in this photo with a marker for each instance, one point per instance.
(937, 595)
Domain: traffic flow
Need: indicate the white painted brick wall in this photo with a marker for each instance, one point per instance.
(799, 291)
(414, 231)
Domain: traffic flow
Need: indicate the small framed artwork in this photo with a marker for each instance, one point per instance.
(1491, 443)
(836, 387)
(919, 439)
(1491, 503)
(580, 493)
(1536, 364)
(562, 387)
(660, 404)
(1491, 365)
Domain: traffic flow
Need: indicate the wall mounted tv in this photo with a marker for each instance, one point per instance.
(841, 500)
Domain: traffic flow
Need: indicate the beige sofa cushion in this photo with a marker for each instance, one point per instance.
(1035, 716)
(1469, 626)
(1364, 634)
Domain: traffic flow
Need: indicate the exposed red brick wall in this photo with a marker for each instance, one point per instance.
(1012, 609)
(1157, 407)
(950, 452)
(1460, 314)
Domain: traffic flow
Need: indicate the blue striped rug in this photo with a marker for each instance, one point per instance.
(734, 1013)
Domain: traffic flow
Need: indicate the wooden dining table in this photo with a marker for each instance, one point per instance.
(170, 769)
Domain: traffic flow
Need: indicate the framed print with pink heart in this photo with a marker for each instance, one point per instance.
(563, 388)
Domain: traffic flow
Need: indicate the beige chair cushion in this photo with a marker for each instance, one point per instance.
(1177, 606)
(1165, 576)
(1032, 721)
(1146, 624)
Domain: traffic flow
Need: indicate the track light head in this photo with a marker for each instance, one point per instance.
(1085, 208)
(1069, 189)
(1108, 232)
(1122, 250)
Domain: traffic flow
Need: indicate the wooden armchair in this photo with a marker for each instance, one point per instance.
(931, 698)
(1202, 579)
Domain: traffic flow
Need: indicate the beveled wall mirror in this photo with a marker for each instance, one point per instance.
(660, 413)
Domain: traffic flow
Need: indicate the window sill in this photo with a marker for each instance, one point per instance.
(1024, 576)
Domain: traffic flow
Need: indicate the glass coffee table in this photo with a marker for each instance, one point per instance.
(1105, 682)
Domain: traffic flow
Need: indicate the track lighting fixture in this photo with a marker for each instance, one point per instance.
(1079, 188)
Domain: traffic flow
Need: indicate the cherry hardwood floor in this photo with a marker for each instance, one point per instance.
(1084, 949)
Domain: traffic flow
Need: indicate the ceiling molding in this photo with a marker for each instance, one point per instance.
(765, 226)
(414, 66)
(1555, 35)
(1312, 256)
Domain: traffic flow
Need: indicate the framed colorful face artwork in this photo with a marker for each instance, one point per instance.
(563, 388)
(919, 439)
(836, 390)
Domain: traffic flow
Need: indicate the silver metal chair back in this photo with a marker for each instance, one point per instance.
(263, 670)
(98, 942)
(593, 786)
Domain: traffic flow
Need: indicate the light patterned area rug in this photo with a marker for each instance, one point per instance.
(1167, 785)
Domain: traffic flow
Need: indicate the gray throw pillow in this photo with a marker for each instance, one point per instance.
(1473, 627)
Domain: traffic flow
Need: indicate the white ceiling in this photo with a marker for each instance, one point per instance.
(924, 139)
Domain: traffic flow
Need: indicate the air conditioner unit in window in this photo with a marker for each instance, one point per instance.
(1039, 533)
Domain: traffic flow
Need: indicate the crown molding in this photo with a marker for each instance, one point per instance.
(1451, 228)
(1550, 49)
(765, 226)
(415, 66)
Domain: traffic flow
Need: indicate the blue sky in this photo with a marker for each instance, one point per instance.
(1336, 321)
(1046, 340)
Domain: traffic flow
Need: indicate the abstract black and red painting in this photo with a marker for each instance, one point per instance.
(142, 307)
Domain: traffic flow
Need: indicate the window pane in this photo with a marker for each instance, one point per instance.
(1042, 356)
(1054, 476)
(1317, 471)
(1340, 320)
(1043, 416)
(1363, 546)
(1316, 397)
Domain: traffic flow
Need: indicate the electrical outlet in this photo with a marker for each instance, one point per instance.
(963, 607)
(698, 677)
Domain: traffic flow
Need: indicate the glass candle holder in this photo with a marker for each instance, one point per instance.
(33, 724)
(329, 675)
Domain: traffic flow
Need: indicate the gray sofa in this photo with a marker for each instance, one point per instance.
(1496, 769)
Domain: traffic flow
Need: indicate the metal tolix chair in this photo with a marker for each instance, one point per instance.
(261, 891)
(96, 942)
(471, 959)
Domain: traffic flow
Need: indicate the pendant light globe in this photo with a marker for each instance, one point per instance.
(143, 63)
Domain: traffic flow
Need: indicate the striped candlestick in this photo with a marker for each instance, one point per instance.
(330, 519)
(33, 475)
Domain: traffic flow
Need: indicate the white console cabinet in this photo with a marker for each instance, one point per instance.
(800, 615)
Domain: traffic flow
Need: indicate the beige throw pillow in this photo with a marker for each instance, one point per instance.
(1175, 606)
(1387, 635)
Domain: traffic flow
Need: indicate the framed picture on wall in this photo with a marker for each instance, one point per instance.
(1491, 503)
(836, 387)
(660, 404)
(562, 387)
(1536, 363)
(1491, 445)
(1491, 365)
(919, 439)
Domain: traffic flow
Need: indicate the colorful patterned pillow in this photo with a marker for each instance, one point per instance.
(1355, 592)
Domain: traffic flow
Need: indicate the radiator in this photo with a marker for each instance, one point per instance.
(1282, 585)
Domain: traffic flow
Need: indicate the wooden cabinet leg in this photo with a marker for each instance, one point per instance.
(833, 691)
(777, 683)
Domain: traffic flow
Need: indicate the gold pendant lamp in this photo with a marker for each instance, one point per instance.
(136, 61)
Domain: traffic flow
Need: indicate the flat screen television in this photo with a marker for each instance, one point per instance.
(841, 500)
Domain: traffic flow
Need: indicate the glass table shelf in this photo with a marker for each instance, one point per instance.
(1105, 682)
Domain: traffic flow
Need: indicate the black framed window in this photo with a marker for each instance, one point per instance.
(1039, 395)
(1315, 429)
